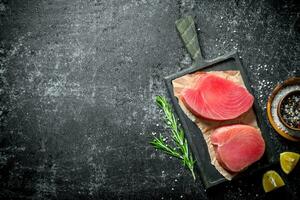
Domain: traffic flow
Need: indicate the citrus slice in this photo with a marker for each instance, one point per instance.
(271, 181)
(288, 161)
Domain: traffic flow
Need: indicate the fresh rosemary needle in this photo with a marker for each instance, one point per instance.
(181, 150)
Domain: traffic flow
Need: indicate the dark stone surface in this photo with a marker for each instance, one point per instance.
(78, 81)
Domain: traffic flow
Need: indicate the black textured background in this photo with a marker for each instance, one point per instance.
(77, 85)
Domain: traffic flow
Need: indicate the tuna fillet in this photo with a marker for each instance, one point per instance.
(237, 146)
(216, 98)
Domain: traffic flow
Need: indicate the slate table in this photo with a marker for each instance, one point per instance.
(78, 80)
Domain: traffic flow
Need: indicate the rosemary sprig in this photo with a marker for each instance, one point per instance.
(181, 150)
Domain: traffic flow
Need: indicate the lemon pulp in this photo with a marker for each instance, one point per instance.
(288, 161)
(271, 181)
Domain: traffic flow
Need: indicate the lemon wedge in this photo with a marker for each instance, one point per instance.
(271, 181)
(288, 161)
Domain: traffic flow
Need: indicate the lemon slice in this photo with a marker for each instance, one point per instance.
(271, 181)
(288, 161)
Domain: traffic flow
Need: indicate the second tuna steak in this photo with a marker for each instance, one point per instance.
(237, 146)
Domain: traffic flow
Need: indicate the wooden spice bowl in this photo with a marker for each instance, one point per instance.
(289, 82)
(280, 109)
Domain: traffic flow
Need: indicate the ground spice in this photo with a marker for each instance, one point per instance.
(290, 109)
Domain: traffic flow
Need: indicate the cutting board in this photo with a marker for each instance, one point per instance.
(208, 173)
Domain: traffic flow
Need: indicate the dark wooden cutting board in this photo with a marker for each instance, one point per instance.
(208, 173)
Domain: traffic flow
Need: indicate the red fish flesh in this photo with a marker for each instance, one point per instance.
(216, 98)
(237, 146)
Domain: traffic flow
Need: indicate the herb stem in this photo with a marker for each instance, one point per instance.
(181, 151)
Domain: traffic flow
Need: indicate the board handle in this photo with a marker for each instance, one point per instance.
(188, 34)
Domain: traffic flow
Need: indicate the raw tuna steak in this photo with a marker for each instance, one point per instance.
(216, 98)
(237, 146)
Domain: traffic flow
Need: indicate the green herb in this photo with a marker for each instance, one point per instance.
(181, 150)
